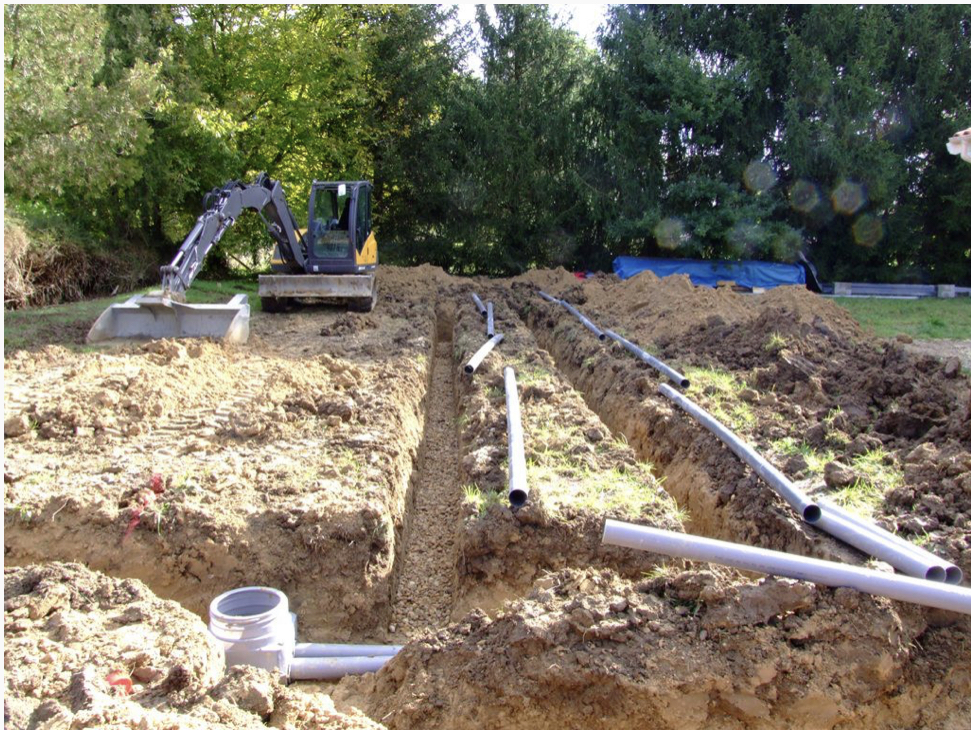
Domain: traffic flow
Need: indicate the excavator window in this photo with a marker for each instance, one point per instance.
(331, 234)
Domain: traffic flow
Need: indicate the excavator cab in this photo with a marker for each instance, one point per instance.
(339, 227)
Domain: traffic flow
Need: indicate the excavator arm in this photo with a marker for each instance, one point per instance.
(223, 207)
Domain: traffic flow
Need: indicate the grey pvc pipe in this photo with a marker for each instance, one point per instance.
(518, 490)
(547, 297)
(478, 304)
(823, 572)
(666, 370)
(879, 547)
(317, 668)
(586, 322)
(953, 574)
(490, 323)
(861, 534)
(800, 502)
(346, 650)
(472, 365)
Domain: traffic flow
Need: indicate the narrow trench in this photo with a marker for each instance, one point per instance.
(426, 578)
(688, 482)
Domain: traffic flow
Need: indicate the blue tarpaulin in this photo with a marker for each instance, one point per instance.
(708, 273)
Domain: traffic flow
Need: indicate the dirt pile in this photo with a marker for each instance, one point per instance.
(654, 310)
(686, 650)
(276, 462)
(83, 650)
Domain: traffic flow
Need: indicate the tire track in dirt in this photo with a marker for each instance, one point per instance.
(427, 578)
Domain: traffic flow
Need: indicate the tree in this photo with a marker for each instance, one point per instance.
(517, 137)
(682, 167)
(63, 130)
(851, 104)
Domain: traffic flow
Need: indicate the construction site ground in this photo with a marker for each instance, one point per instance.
(347, 460)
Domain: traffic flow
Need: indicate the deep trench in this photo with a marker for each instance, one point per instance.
(426, 580)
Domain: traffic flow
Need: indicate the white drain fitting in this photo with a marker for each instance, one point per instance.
(255, 627)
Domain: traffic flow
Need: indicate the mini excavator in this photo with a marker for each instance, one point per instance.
(333, 259)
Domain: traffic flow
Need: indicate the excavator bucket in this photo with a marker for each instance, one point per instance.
(152, 316)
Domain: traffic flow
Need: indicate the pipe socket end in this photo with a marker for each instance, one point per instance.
(954, 575)
(469, 369)
(601, 337)
(936, 573)
(685, 383)
(517, 498)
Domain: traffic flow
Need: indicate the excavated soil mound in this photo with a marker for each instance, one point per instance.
(690, 650)
(652, 309)
(198, 467)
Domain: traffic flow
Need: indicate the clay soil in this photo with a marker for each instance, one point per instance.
(347, 460)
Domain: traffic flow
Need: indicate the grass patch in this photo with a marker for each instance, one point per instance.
(877, 476)
(566, 483)
(923, 319)
(480, 501)
(776, 342)
(816, 460)
(720, 392)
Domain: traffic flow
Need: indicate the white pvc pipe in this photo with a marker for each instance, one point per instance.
(490, 325)
(346, 650)
(472, 365)
(318, 668)
(861, 534)
(800, 502)
(823, 572)
(478, 304)
(547, 297)
(661, 367)
(518, 490)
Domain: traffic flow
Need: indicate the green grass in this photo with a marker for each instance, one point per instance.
(68, 324)
(479, 500)
(876, 478)
(720, 393)
(816, 460)
(922, 319)
(566, 483)
(776, 342)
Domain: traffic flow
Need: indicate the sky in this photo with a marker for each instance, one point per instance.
(583, 18)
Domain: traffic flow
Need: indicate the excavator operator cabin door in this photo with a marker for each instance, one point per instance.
(363, 216)
(330, 223)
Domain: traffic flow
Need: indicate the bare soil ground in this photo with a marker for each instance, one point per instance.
(348, 461)
(943, 350)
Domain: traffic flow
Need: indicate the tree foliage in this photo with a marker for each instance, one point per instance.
(62, 130)
(705, 131)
